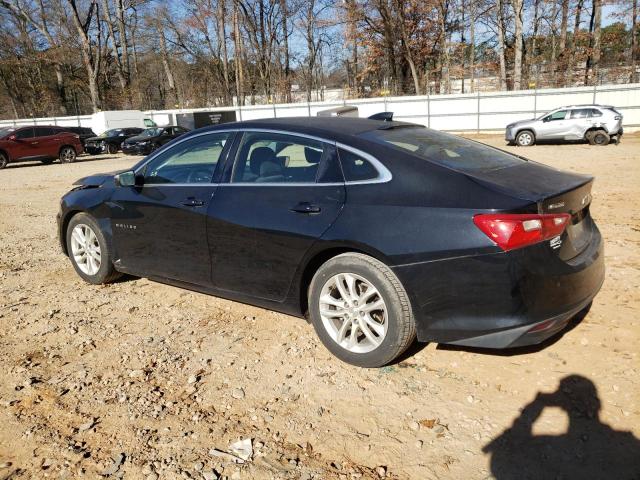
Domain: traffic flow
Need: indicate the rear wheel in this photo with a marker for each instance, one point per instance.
(525, 138)
(67, 155)
(112, 149)
(598, 137)
(89, 251)
(3, 161)
(360, 310)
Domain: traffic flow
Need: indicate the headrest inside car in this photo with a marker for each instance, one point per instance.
(312, 155)
(259, 156)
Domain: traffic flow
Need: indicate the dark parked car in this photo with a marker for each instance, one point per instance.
(44, 143)
(151, 139)
(83, 132)
(381, 231)
(110, 141)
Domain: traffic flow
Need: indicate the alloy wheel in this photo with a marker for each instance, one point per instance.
(525, 139)
(85, 249)
(353, 313)
(67, 155)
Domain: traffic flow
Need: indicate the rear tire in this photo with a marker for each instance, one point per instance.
(112, 149)
(598, 138)
(89, 251)
(525, 138)
(3, 161)
(361, 311)
(67, 155)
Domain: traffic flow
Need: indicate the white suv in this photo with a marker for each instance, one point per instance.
(597, 124)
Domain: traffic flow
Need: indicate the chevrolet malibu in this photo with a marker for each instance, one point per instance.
(378, 231)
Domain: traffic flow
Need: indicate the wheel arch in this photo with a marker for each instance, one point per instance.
(6, 154)
(65, 145)
(318, 258)
(64, 224)
(594, 129)
(527, 129)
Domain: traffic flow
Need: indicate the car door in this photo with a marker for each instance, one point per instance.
(553, 126)
(579, 122)
(159, 225)
(46, 143)
(23, 146)
(283, 192)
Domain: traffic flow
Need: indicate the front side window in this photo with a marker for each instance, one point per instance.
(265, 157)
(43, 131)
(192, 161)
(559, 115)
(24, 133)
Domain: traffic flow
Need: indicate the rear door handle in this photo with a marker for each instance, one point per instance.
(305, 207)
(192, 202)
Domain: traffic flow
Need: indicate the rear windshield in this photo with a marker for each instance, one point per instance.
(444, 149)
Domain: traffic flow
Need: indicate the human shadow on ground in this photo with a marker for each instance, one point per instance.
(589, 449)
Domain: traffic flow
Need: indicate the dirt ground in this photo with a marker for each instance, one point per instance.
(143, 380)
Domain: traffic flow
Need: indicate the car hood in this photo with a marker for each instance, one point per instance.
(139, 138)
(522, 123)
(97, 180)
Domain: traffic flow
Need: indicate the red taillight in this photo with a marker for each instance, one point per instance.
(513, 230)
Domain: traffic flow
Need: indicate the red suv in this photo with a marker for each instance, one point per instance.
(44, 143)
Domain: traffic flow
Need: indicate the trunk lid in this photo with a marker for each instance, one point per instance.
(552, 191)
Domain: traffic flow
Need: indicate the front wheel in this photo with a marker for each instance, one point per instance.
(112, 149)
(89, 251)
(67, 155)
(360, 310)
(525, 138)
(3, 161)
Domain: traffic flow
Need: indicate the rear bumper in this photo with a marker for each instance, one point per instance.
(502, 300)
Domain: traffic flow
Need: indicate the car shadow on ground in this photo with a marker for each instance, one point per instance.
(588, 449)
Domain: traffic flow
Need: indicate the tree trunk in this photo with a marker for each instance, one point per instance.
(445, 59)
(165, 64)
(501, 46)
(634, 41)
(574, 46)
(472, 46)
(285, 46)
(517, 62)
(222, 38)
(591, 70)
(405, 40)
(237, 53)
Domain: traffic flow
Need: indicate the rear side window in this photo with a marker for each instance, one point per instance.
(596, 113)
(355, 168)
(443, 149)
(581, 113)
(43, 131)
(265, 157)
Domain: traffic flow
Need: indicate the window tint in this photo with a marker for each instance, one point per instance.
(43, 131)
(442, 148)
(193, 161)
(24, 133)
(559, 115)
(356, 168)
(277, 158)
(581, 113)
(596, 113)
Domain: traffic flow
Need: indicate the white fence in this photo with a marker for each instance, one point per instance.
(474, 112)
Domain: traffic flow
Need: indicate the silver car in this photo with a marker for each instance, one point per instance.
(598, 124)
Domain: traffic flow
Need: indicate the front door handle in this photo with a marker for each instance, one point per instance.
(192, 202)
(305, 207)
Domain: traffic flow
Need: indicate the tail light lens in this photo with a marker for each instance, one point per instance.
(617, 117)
(511, 231)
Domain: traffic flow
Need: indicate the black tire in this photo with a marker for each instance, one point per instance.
(3, 160)
(106, 273)
(112, 149)
(598, 138)
(67, 154)
(525, 138)
(47, 161)
(401, 329)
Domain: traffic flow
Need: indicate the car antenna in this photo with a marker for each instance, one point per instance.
(384, 116)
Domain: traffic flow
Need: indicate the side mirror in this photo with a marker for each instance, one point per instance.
(126, 179)
(545, 119)
(13, 138)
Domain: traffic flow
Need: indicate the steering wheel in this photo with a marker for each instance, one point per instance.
(200, 175)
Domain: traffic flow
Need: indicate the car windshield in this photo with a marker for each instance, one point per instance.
(6, 131)
(112, 133)
(151, 132)
(444, 149)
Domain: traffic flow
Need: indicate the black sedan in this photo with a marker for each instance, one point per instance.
(380, 231)
(151, 139)
(110, 141)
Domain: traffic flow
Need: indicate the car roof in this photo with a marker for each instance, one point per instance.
(331, 127)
